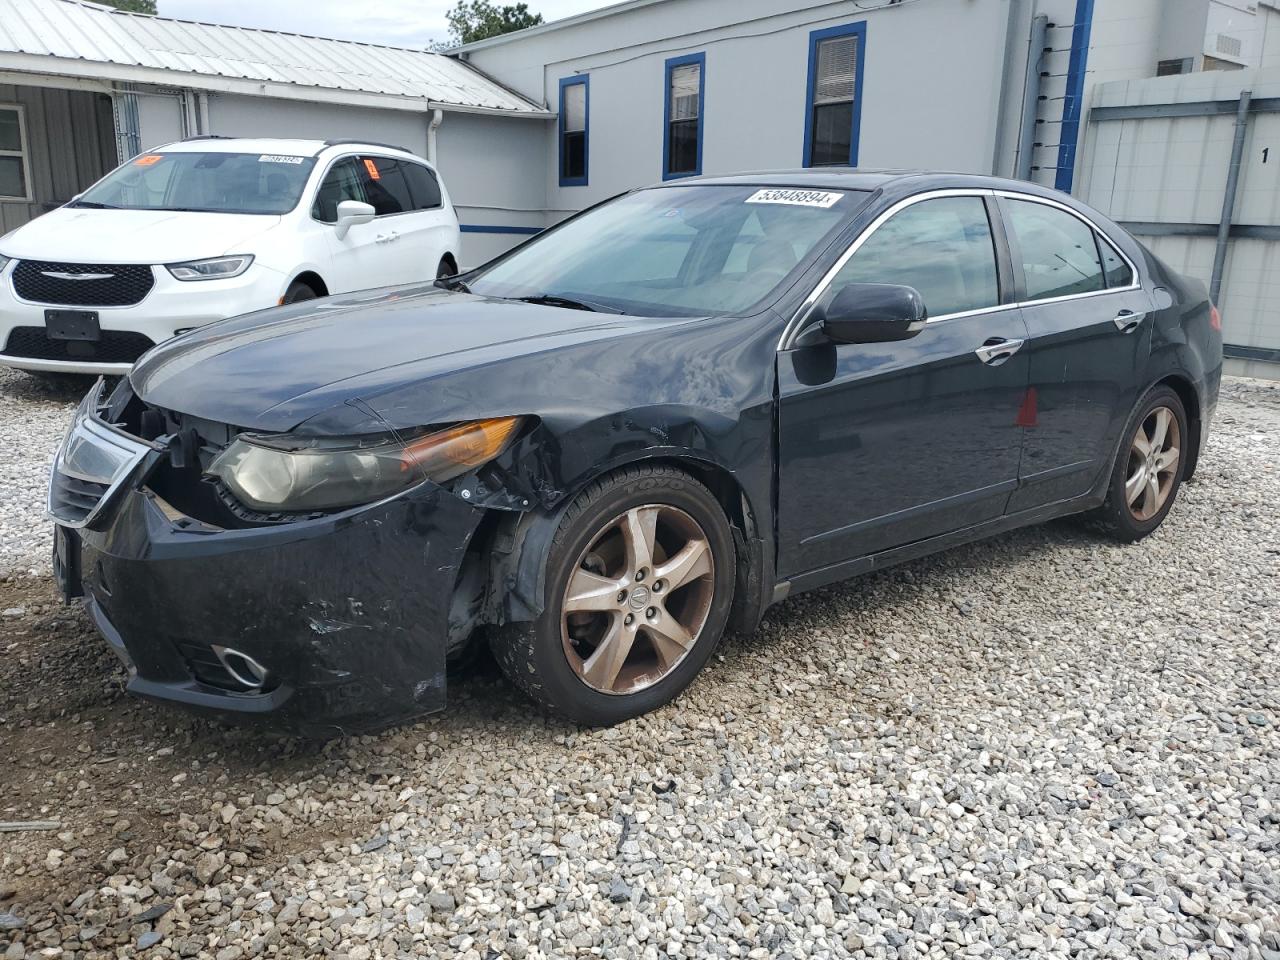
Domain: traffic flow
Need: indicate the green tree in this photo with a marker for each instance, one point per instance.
(472, 20)
(132, 6)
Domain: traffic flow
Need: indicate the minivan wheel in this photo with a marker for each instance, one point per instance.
(297, 292)
(639, 584)
(1149, 468)
(446, 268)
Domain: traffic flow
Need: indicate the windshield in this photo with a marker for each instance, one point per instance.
(204, 183)
(674, 251)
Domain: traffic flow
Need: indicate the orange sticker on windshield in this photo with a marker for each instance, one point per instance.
(148, 159)
(373, 169)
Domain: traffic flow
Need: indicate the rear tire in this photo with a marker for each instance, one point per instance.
(446, 268)
(1149, 467)
(299, 291)
(641, 620)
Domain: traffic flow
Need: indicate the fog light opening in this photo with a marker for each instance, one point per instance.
(245, 670)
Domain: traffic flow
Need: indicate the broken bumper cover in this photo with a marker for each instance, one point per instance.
(343, 619)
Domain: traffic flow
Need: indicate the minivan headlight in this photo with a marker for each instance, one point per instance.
(287, 473)
(4, 262)
(217, 268)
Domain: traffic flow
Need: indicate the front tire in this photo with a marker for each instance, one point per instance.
(298, 291)
(1149, 468)
(639, 585)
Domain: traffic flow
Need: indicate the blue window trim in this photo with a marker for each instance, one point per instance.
(701, 60)
(1077, 65)
(858, 30)
(585, 80)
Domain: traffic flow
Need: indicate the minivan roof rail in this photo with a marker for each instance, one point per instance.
(205, 136)
(367, 143)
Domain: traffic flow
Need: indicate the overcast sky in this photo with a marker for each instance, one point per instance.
(406, 23)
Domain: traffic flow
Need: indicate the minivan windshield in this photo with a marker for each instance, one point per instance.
(695, 250)
(203, 183)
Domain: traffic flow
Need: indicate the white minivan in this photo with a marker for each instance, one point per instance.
(210, 228)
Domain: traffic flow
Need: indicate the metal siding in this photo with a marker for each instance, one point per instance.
(1169, 174)
(70, 144)
(76, 31)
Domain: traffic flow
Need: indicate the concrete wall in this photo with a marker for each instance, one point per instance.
(1173, 171)
(70, 144)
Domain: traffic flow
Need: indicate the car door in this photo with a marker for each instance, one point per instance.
(358, 260)
(1089, 336)
(435, 230)
(402, 230)
(882, 444)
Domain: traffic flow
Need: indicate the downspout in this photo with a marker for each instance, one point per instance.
(1002, 98)
(1031, 98)
(202, 100)
(437, 118)
(1229, 197)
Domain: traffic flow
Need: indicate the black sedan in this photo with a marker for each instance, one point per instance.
(634, 432)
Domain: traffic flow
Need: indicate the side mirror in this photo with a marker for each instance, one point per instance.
(351, 213)
(874, 313)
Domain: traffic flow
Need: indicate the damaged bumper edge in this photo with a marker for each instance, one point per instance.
(319, 627)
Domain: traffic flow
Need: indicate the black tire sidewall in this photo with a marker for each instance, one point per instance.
(560, 683)
(1127, 525)
(298, 292)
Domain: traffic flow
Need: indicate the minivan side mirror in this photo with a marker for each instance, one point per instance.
(874, 313)
(351, 213)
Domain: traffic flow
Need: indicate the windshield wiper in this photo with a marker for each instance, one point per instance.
(93, 205)
(554, 300)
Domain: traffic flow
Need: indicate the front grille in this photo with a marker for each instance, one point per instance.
(116, 346)
(71, 499)
(120, 285)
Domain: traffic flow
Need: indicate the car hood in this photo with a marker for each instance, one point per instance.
(81, 235)
(274, 369)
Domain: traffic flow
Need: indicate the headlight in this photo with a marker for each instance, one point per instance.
(4, 262)
(219, 268)
(286, 473)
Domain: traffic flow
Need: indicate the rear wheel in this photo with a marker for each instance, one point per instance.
(298, 291)
(446, 268)
(639, 583)
(1149, 468)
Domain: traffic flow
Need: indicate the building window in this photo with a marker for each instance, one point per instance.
(834, 107)
(682, 136)
(575, 106)
(1171, 68)
(14, 180)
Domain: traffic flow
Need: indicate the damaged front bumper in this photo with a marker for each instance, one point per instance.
(319, 626)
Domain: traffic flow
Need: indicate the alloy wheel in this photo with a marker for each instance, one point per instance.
(1153, 463)
(637, 599)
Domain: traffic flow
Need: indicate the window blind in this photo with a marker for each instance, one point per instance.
(685, 81)
(837, 67)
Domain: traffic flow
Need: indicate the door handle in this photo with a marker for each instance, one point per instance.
(1127, 321)
(996, 350)
(392, 237)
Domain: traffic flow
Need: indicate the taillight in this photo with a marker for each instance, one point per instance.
(1215, 318)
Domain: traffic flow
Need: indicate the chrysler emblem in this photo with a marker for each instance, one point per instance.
(77, 276)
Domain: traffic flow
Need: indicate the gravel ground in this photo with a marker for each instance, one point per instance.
(1045, 745)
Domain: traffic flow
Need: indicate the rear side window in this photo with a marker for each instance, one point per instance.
(1117, 272)
(941, 247)
(1059, 255)
(423, 186)
(385, 186)
(342, 182)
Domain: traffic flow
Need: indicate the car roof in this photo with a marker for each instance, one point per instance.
(285, 147)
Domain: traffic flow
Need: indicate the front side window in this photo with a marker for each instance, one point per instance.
(342, 182)
(941, 247)
(675, 251)
(13, 154)
(834, 95)
(1058, 252)
(203, 183)
(574, 107)
(683, 135)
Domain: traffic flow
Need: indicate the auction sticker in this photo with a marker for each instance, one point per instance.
(273, 158)
(796, 198)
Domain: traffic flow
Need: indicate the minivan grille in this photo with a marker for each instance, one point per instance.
(113, 285)
(115, 346)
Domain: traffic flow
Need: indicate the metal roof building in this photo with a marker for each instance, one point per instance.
(84, 87)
